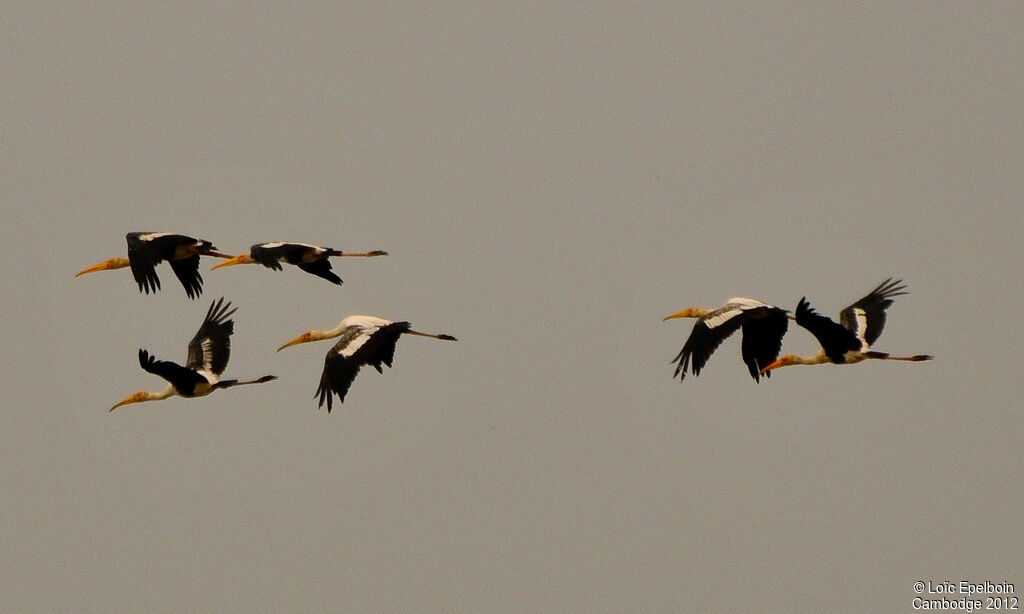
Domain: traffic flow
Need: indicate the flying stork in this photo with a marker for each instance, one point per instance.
(763, 326)
(208, 354)
(848, 341)
(365, 340)
(310, 258)
(148, 249)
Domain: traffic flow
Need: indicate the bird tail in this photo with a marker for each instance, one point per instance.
(207, 248)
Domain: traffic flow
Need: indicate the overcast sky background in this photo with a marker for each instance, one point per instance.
(550, 182)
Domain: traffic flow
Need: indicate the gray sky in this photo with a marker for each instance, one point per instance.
(550, 182)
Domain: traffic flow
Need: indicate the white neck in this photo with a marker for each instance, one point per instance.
(169, 391)
(817, 359)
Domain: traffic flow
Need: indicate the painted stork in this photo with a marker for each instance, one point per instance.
(312, 259)
(848, 341)
(148, 249)
(365, 340)
(208, 354)
(763, 326)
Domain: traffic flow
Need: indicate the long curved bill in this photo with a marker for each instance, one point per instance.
(775, 365)
(241, 259)
(686, 313)
(303, 338)
(135, 398)
(106, 265)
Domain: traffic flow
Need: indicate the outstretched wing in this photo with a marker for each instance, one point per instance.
(358, 345)
(338, 374)
(320, 268)
(866, 317)
(182, 378)
(148, 249)
(709, 332)
(834, 338)
(268, 254)
(380, 347)
(763, 331)
(210, 348)
(143, 256)
(187, 272)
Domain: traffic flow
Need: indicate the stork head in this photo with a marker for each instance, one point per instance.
(240, 259)
(106, 265)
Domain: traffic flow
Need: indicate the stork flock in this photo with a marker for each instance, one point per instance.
(365, 340)
(370, 340)
(843, 343)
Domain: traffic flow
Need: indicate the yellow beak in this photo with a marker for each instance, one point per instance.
(686, 313)
(303, 338)
(135, 398)
(106, 265)
(242, 259)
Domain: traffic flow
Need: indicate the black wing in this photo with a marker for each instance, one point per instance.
(310, 258)
(342, 363)
(339, 371)
(148, 249)
(866, 317)
(210, 348)
(708, 333)
(380, 347)
(182, 378)
(187, 272)
(834, 338)
(173, 246)
(320, 268)
(763, 331)
(269, 257)
(294, 253)
(143, 257)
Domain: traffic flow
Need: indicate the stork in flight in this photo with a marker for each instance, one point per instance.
(365, 340)
(208, 354)
(148, 249)
(312, 259)
(763, 326)
(848, 341)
